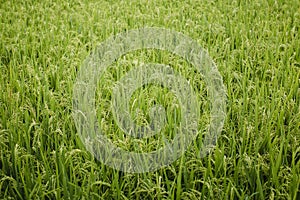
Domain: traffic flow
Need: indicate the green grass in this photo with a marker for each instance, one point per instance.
(256, 46)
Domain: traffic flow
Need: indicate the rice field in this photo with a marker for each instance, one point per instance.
(255, 46)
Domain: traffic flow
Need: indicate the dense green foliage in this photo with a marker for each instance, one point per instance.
(256, 46)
